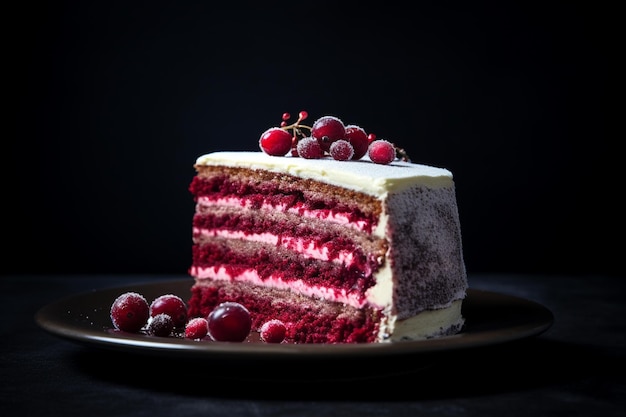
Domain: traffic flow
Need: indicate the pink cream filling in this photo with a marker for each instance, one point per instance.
(297, 286)
(298, 209)
(294, 244)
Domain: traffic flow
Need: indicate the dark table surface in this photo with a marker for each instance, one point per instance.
(574, 368)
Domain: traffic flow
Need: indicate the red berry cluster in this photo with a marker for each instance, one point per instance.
(167, 316)
(328, 136)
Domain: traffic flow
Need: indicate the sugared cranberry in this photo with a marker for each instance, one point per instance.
(381, 151)
(328, 129)
(229, 322)
(197, 328)
(273, 331)
(171, 305)
(358, 139)
(130, 312)
(309, 148)
(341, 150)
(160, 325)
(275, 141)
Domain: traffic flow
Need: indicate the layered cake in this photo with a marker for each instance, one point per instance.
(332, 233)
(340, 251)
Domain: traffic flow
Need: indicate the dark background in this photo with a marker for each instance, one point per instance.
(111, 103)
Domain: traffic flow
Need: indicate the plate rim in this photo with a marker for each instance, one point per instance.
(49, 319)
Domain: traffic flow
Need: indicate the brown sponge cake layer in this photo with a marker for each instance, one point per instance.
(307, 320)
(285, 190)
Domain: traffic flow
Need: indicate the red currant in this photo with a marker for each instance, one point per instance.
(381, 151)
(309, 148)
(160, 325)
(341, 150)
(275, 141)
(291, 139)
(197, 328)
(358, 139)
(328, 129)
(229, 322)
(273, 331)
(171, 305)
(130, 312)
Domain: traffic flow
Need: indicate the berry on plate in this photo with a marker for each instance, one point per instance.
(171, 305)
(160, 325)
(273, 331)
(229, 322)
(130, 312)
(197, 328)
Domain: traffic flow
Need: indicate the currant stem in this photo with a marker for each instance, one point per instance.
(297, 132)
(402, 155)
(296, 126)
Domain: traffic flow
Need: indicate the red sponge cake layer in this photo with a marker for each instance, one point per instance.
(308, 320)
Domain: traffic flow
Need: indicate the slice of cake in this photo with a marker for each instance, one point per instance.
(344, 251)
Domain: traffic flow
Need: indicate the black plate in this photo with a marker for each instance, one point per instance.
(491, 318)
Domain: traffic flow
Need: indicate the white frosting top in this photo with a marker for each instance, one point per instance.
(360, 175)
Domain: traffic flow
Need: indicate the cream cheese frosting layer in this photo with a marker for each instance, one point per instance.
(360, 175)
